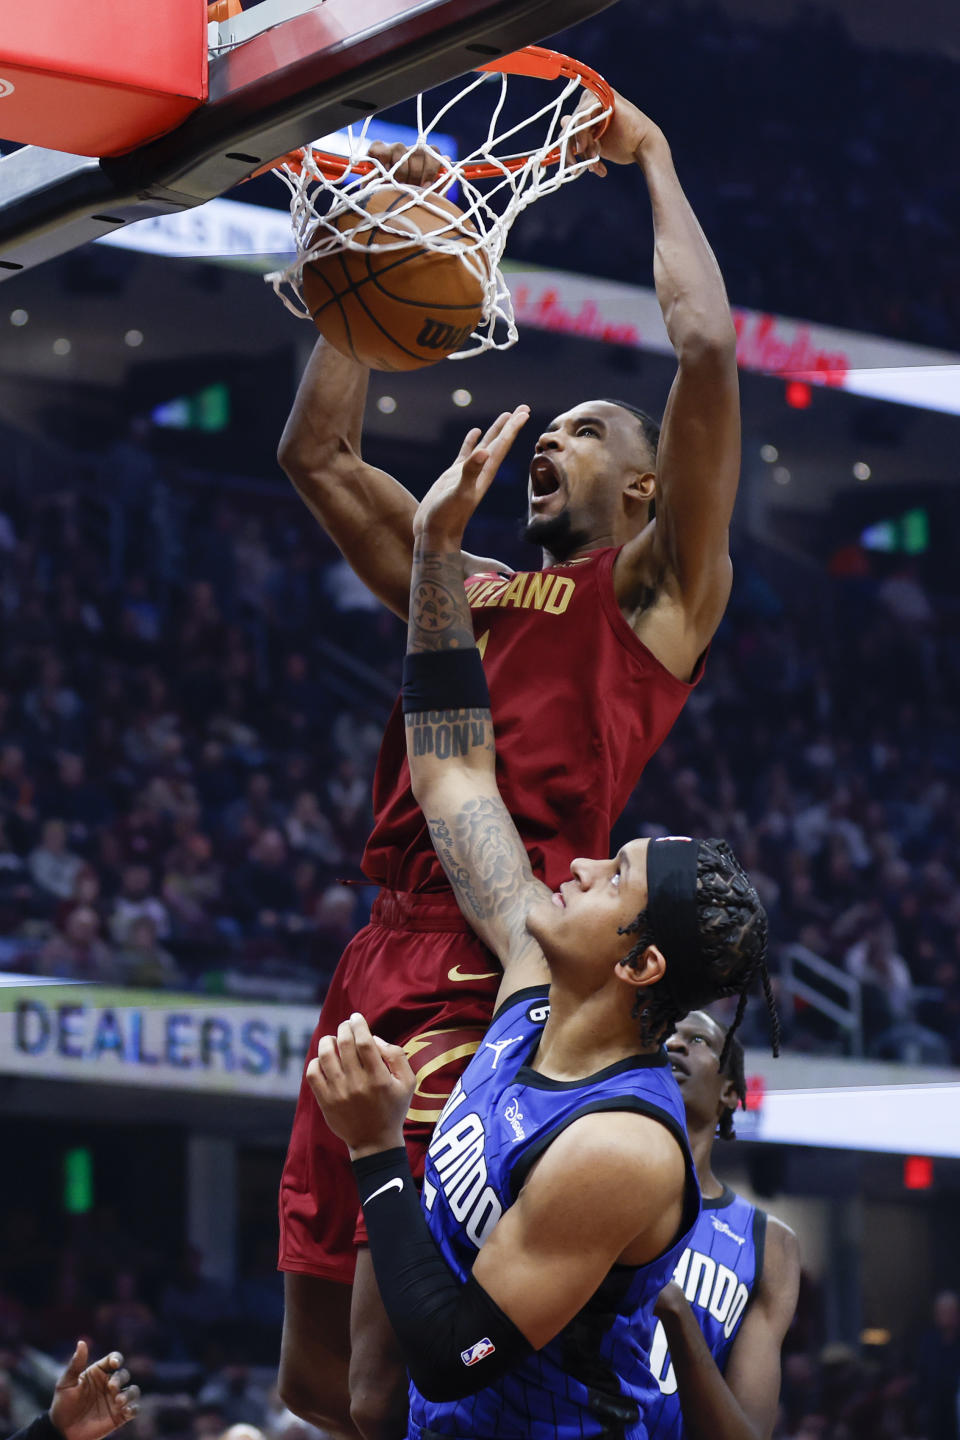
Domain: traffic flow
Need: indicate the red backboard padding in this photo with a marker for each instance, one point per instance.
(100, 77)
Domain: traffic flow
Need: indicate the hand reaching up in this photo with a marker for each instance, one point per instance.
(90, 1401)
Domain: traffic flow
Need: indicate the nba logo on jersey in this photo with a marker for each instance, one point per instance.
(478, 1351)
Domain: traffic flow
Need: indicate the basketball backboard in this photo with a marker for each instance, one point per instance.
(290, 72)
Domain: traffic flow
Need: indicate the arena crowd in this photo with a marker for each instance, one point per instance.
(189, 725)
(821, 199)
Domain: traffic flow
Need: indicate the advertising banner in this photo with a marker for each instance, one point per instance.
(137, 1037)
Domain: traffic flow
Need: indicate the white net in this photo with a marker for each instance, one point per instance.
(321, 207)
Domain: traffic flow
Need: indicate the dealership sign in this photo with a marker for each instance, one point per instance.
(61, 1031)
(130, 1037)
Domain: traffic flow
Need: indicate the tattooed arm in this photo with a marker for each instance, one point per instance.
(451, 752)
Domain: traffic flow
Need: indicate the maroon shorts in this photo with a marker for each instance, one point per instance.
(424, 981)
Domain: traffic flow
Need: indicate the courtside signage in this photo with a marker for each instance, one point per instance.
(55, 1030)
(234, 232)
(127, 1037)
(630, 315)
(222, 228)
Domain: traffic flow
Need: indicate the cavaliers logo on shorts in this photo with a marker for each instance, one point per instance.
(438, 1058)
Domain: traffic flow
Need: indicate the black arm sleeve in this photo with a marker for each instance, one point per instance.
(454, 1338)
(42, 1428)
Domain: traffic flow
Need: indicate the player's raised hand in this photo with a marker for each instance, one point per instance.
(92, 1400)
(622, 141)
(415, 167)
(363, 1085)
(445, 510)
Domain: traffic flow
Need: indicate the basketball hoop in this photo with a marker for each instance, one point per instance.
(325, 187)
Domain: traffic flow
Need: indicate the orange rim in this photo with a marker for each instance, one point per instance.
(533, 60)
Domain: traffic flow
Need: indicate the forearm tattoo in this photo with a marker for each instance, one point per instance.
(475, 839)
(487, 866)
(448, 734)
(440, 616)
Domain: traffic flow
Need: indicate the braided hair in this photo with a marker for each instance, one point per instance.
(734, 1072)
(732, 926)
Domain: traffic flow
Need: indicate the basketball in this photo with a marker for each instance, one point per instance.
(394, 308)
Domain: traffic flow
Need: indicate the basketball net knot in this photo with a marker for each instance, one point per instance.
(494, 186)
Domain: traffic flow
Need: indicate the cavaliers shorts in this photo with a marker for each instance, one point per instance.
(424, 981)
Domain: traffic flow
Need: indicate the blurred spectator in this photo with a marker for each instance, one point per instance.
(136, 901)
(938, 1369)
(86, 891)
(16, 887)
(309, 830)
(884, 976)
(191, 1303)
(81, 804)
(17, 792)
(260, 1290)
(258, 806)
(263, 890)
(53, 867)
(125, 1322)
(348, 793)
(52, 707)
(357, 734)
(209, 1421)
(236, 1395)
(77, 951)
(144, 963)
(215, 779)
(336, 920)
(70, 1311)
(192, 885)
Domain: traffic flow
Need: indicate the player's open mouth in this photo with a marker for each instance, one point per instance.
(558, 899)
(544, 478)
(677, 1066)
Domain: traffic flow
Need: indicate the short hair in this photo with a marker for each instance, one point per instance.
(649, 426)
(732, 926)
(734, 1071)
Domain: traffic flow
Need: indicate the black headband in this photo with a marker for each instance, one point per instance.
(672, 904)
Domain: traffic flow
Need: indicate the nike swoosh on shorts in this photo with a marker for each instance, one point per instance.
(396, 1181)
(455, 975)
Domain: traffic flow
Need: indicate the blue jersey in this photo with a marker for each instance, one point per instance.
(594, 1377)
(719, 1272)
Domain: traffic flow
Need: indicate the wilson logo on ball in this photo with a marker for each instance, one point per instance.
(437, 335)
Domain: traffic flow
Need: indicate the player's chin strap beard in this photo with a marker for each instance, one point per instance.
(555, 534)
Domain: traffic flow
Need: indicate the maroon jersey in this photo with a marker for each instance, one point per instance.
(579, 705)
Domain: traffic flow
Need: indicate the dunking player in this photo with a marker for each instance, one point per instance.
(725, 1313)
(559, 1189)
(594, 656)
